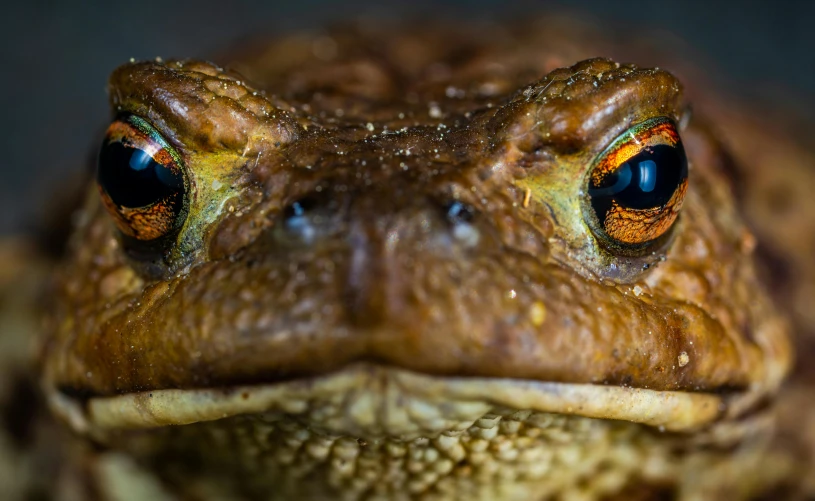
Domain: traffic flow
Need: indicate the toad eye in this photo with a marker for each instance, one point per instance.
(142, 180)
(637, 185)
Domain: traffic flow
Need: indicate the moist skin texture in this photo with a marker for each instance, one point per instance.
(391, 352)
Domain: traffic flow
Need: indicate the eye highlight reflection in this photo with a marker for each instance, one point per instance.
(637, 185)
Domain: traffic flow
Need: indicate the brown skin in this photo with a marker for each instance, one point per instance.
(381, 138)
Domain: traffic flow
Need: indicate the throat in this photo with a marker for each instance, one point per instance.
(503, 455)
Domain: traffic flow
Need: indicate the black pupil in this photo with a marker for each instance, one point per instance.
(647, 180)
(131, 177)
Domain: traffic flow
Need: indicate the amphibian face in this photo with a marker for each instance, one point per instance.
(420, 266)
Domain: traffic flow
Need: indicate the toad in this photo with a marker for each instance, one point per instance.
(414, 265)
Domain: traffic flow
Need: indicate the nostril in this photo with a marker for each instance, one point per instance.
(300, 208)
(297, 222)
(305, 220)
(461, 215)
(459, 212)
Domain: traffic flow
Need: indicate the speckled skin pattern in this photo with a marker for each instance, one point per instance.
(381, 131)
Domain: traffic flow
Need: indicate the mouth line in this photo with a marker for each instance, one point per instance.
(377, 401)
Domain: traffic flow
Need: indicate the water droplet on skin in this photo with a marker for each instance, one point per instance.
(434, 111)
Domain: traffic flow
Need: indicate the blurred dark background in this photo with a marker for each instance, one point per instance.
(56, 57)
